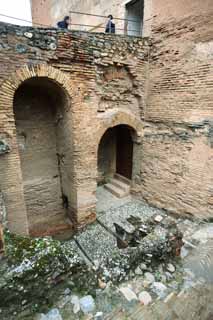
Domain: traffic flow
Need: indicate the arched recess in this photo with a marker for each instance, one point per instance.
(114, 118)
(120, 135)
(37, 99)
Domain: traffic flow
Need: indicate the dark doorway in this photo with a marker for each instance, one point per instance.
(124, 152)
(134, 14)
(115, 153)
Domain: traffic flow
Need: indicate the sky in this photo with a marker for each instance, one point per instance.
(15, 8)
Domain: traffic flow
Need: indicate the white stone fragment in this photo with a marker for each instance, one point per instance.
(28, 35)
(158, 218)
(160, 289)
(54, 314)
(52, 46)
(170, 268)
(87, 304)
(145, 298)
(99, 316)
(128, 293)
(76, 304)
(138, 271)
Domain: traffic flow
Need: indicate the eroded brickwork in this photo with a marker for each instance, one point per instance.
(161, 88)
(177, 152)
(54, 145)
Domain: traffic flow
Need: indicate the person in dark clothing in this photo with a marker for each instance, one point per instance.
(64, 24)
(110, 27)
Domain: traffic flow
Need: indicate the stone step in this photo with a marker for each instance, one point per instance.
(122, 179)
(120, 184)
(116, 191)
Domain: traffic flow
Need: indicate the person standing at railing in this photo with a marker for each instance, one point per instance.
(64, 24)
(110, 27)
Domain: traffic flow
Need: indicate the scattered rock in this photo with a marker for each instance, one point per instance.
(143, 266)
(168, 275)
(64, 301)
(53, 314)
(145, 298)
(170, 268)
(76, 302)
(160, 289)
(138, 271)
(101, 284)
(149, 277)
(87, 304)
(158, 218)
(128, 293)
(67, 291)
(99, 316)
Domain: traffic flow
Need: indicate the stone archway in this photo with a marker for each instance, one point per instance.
(11, 175)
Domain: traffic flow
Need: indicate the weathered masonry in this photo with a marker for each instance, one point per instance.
(78, 108)
(61, 93)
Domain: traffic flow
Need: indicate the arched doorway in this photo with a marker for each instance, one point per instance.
(44, 144)
(115, 153)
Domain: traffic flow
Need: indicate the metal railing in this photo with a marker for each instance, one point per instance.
(122, 27)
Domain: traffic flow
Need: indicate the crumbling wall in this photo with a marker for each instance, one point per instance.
(81, 64)
(177, 158)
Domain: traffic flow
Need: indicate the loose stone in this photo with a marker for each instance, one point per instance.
(149, 277)
(145, 298)
(128, 294)
(170, 268)
(87, 304)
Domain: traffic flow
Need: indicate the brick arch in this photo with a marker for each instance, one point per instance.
(111, 119)
(9, 87)
(12, 180)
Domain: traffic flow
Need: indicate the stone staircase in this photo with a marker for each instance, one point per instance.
(119, 186)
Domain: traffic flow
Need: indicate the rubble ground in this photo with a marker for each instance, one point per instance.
(89, 277)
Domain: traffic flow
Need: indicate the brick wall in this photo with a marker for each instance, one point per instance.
(34, 108)
(78, 64)
(176, 169)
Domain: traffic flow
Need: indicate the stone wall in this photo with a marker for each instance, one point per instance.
(53, 141)
(174, 167)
